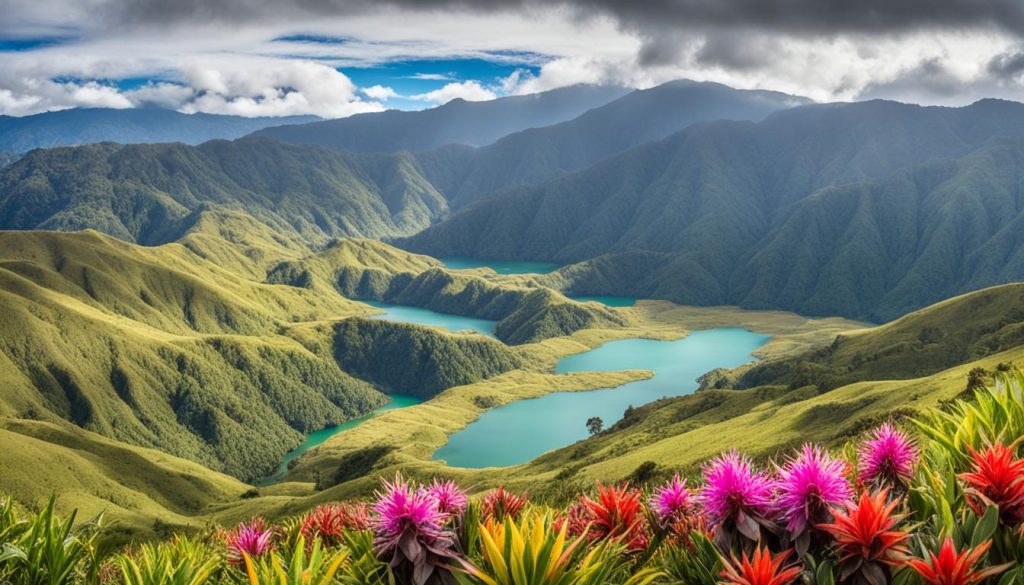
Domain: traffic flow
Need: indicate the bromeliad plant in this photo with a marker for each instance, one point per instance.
(737, 501)
(412, 534)
(539, 551)
(48, 550)
(182, 561)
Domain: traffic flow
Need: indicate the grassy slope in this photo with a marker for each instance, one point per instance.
(138, 489)
(952, 332)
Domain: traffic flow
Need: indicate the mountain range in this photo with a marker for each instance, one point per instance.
(134, 126)
(865, 210)
(456, 122)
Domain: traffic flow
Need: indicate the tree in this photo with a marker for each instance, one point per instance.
(975, 379)
(594, 425)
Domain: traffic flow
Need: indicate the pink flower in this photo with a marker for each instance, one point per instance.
(409, 528)
(671, 502)
(251, 539)
(887, 456)
(735, 496)
(450, 498)
(808, 486)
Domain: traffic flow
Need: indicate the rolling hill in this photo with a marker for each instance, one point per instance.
(130, 126)
(198, 348)
(791, 213)
(148, 193)
(456, 122)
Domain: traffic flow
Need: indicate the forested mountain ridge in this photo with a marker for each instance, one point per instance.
(456, 122)
(127, 126)
(145, 193)
(466, 175)
(7, 158)
(794, 212)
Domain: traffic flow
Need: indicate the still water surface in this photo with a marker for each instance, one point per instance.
(520, 431)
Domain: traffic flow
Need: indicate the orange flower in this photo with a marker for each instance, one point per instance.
(996, 478)
(763, 569)
(865, 536)
(953, 568)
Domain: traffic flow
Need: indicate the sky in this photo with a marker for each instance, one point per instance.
(335, 58)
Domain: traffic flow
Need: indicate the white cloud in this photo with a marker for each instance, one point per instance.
(165, 95)
(238, 69)
(379, 92)
(471, 91)
(431, 77)
(271, 87)
(31, 96)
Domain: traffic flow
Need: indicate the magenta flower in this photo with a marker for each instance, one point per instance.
(450, 498)
(409, 528)
(672, 502)
(808, 486)
(735, 497)
(888, 456)
(251, 539)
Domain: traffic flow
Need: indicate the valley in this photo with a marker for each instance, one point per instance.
(200, 334)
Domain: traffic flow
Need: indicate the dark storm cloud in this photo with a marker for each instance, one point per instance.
(1008, 65)
(928, 81)
(792, 16)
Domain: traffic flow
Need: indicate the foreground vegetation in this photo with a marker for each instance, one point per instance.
(940, 502)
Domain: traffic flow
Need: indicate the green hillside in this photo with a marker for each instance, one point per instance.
(148, 193)
(143, 493)
(360, 269)
(430, 362)
(791, 213)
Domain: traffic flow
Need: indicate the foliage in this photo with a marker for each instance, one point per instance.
(315, 568)
(47, 550)
(182, 561)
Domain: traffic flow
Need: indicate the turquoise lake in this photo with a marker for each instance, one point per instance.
(406, 314)
(501, 266)
(608, 301)
(521, 431)
(317, 438)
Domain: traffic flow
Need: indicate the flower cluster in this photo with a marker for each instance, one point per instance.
(890, 516)
(887, 457)
(252, 539)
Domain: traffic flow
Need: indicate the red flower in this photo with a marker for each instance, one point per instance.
(865, 536)
(618, 513)
(953, 568)
(763, 569)
(330, 520)
(498, 504)
(996, 478)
